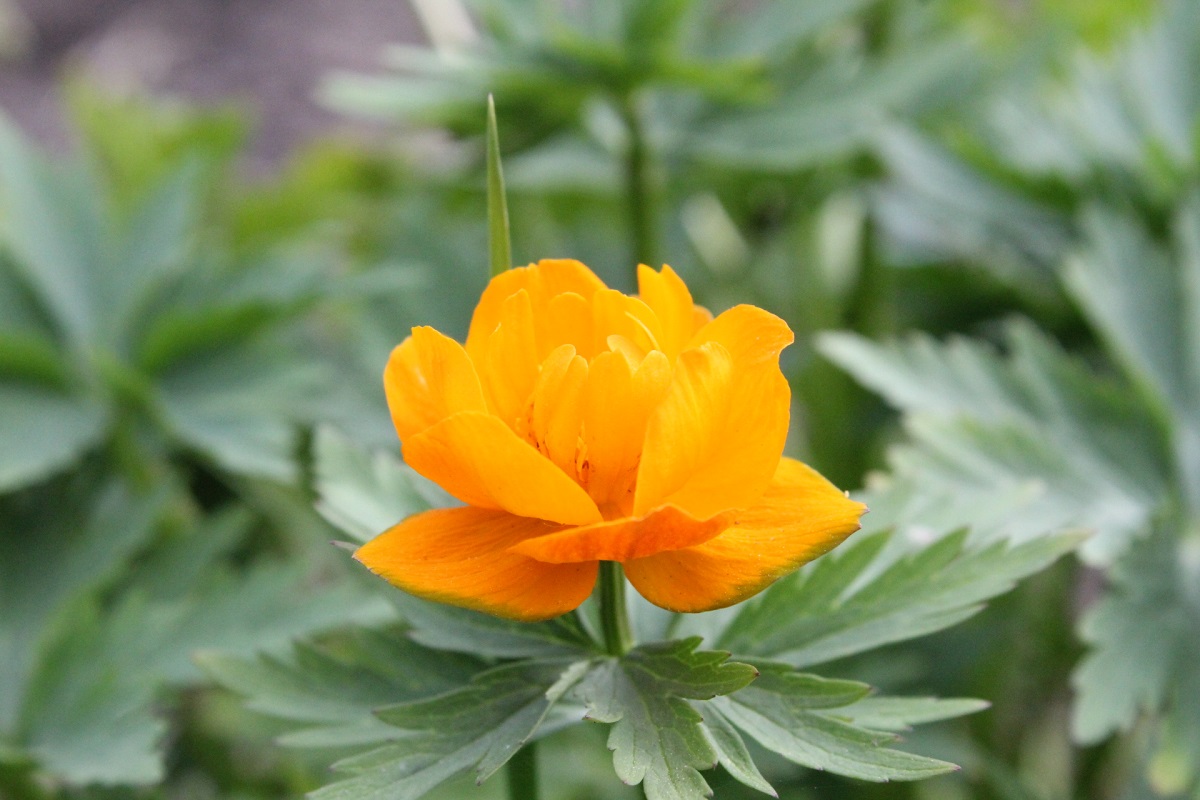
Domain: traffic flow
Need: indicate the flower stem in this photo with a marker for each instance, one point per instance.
(614, 619)
(639, 193)
(523, 773)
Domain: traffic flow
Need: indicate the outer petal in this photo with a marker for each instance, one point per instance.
(479, 460)
(666, 528)
(427, 378)
(714, 441)
(543, 280)
(750, 334)
(461, 556)
(800, 517)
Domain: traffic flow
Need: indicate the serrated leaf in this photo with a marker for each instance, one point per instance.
(1142, 635)
(364, 493)
(801, 718)
(831, 610)
(731, 750)
(45, 430)
(82, 538)
(87, 718)
(1036, 439)
(478, 727)
(902, 713)
(50, 227)
(1130, 290)
(332, 691)
(656, 737)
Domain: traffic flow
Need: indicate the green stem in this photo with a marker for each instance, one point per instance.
(639, 193)
(17, 782)
(614, 620)
(523, 773)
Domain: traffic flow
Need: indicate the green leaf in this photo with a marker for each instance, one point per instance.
(656, 738)
(50, 226)
(801, 718)
(1013, 447)
(499, 244)
(87, 718)
(83, 536)
(935, 208)
(851, 601)
(731, 750)
(902, 713)
(1143, 637)
(478, 727)
(44, 431)
(364, 493)
(241, 406)
(333, 691)
(1131, 291)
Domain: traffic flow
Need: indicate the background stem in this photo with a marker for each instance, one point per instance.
(640, 202)
(523, 773)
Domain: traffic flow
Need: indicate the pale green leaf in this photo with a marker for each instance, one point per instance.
(477, 727)
(45, 430)
(902, 713)
(1013, 447)
(82, 538)
(50, 225)
(844, 605)
(1130, 289)
(657, 739)
(333, 692)
(364, 493)
(1142, 636)
(731, 750)
(800, 717)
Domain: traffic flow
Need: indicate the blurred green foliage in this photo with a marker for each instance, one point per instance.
(1022, 178)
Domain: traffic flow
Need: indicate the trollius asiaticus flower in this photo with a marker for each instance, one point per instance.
(581, 425)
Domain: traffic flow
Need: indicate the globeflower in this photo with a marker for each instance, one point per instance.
(580, 425)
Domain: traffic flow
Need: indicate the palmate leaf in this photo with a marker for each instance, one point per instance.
(477, 727)
(852, 600)
(1013, 446)
(44, 430)
(81, 540)
(1143, 636)
(333, 691)
(657, 739)
(811, 721)
(82, 682)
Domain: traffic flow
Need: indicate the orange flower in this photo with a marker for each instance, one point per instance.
(580, 425)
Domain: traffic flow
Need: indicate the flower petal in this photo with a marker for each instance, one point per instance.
(750, 334)
(667, 295)
(556, 414)
(713, 442)
(427, 378)
(543, 281)
(800, 517)
(617, 402)
(461, 556)
(478, 459)
(508, 365)
(666, 528)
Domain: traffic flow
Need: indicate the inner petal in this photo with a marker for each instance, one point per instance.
(617, 403)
